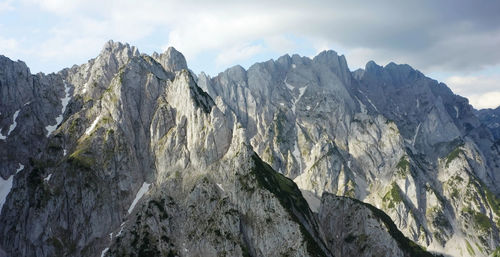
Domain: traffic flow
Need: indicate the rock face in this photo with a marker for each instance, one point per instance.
(491, 118)
(132, 155)
(388, 136)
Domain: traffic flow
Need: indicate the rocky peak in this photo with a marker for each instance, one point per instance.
(171, 60)
(120, 49)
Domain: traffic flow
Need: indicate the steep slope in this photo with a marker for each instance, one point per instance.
(386, 135)
(491, 119)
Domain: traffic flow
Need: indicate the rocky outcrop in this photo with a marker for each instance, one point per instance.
(384, 135)
(491, 119)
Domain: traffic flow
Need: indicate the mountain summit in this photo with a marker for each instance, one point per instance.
(134, 155)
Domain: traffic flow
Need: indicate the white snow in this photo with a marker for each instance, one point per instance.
(92, 126)
(370, 101)
(418, 103)
(84, 88)
(302, 90)
(308, 107)
(296, 154)
(294, 66)
(5, 187)
(65, 101)
(416, 133)
(220, 186)
(121, 229)
(46, 179)
(64, 152)
(12, 126)
(144, 188)
(456, 110)
(103, 253)
(361, 105)
(290, 87)
(21, 167)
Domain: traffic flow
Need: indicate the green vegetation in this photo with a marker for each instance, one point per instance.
(496, 253)
(393, 196)
(481, 221)
(453, 155)
(350, 189)
(82, 157)
(290, 198)
(404, 243)
(493, 201)
(469, 248)
(279, 127)
(403, 166)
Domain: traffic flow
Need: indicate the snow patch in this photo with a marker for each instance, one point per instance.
(103, 253)
(416, 133)
(64, 152)
(370, 101)
(46, 179)
(456, 110)
(92, 126)
(21, 167)
(65, 101)
(302, 90)
(296, 154)
(294, 66)
(5, 187)
(361, 105)
(121, 229)
(144, 188)
(418, 103)
(220, 186)
(12, 126)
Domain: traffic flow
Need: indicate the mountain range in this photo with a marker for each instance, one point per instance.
(132, 154)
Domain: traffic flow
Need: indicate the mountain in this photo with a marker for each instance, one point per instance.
(388, 136)
(134, 155)
(491, 118)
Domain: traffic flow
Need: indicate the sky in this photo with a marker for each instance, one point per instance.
(454, 41)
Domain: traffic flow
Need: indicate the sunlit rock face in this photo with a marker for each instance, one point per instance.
(388, 136)
(134, 155)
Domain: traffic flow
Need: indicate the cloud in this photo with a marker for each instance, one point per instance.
(482, 91)
(487, 100)
(9, 46)
(238, 53)
(448, 36)
(6, 6)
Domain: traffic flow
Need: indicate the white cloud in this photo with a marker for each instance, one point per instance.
(487, 100)
(281, 44)
(9, 46)
(482, 91)
(6, 5)
(235, 54)
(404, 32)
